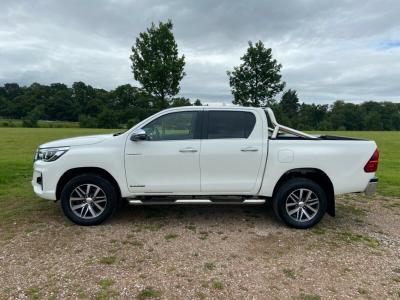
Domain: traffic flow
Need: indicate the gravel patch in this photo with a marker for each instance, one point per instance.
(208, 252)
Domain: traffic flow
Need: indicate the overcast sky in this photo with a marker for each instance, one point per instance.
(329, 49)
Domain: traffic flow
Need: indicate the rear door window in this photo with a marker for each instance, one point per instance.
(230, 124)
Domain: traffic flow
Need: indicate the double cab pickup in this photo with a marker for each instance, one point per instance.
(205, 155)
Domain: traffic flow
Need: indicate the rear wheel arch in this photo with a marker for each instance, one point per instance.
(71, 173)
(316, 175)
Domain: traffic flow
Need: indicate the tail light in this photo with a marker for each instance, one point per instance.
(372, 164)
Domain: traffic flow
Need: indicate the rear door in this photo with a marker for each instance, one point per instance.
(231, 151)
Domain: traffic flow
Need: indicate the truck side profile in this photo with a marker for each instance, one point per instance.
(214, 155)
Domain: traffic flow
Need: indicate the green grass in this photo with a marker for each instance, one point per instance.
(17, 146)
(108, 260)
(171, 236)
(17, 200)
(148, 292)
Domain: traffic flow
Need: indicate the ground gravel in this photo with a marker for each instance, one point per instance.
(207, 252)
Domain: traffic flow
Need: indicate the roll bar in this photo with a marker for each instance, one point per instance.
(278, 127)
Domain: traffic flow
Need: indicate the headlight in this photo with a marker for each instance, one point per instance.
(50, 154)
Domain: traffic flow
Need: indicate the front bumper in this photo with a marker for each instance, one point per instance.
(371, 186)
(44, 180)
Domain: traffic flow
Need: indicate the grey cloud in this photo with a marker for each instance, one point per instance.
(329, 49)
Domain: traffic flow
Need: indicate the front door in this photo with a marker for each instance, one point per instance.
(168, 161)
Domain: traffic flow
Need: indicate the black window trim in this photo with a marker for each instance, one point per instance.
(197, 130)
(204, 128)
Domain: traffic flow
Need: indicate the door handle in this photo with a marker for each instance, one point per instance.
(249, 149)
(188, 149)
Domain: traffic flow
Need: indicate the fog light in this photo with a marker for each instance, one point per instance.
(39, 180)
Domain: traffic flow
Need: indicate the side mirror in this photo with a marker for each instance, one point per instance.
(139, 135)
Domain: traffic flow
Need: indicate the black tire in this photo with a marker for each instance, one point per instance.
(107, 189)
(295, 185)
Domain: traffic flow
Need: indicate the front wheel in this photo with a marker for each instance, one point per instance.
(300, 203)
(88, 199)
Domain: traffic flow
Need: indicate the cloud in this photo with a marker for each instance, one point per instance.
(329, 49)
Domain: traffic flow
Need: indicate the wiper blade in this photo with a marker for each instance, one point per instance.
(118, 133)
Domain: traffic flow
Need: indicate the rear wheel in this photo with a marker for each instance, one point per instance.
(300, 203)
(88, 199)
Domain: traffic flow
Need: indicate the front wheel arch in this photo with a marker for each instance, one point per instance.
(71, 173)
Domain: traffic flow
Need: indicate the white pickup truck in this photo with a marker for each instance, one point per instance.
(224, 155)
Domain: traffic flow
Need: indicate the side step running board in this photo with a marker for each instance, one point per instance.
(195, 201)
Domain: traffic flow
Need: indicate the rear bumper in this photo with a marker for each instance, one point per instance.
(371, 186)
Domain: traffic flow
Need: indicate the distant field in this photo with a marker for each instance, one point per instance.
(41, 123)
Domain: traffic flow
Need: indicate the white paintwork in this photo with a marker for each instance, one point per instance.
(218, 167)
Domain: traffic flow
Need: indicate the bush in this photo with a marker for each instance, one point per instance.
(87, 121)
(132, 122)
(107, 119)
(30, 120)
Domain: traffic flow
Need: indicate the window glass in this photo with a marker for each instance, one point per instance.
(230, 124)
(174, 126)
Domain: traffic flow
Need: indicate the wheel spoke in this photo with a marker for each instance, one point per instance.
(307, 215)
(312, 209)
(80, 192)
(93, 213)
(99, 200)
(301, 214)
(294, 198)
(293, 211)
(83, 209)
(308, 195)
(88, 190)
(99, 207)
(313, 202)
(86, 211)
(290, 204)
(76, 207)
(96, 192)
(76, 198)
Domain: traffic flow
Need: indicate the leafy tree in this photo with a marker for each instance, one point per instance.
(257, 80)
(156, 63)
(129, 105)
(290, 103)
(107, 119)
(82, 95)
(132, 122)
(32, 118)
(180, 102)
(87, 121)
(197, 103)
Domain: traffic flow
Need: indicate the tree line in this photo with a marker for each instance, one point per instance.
(158, 68)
